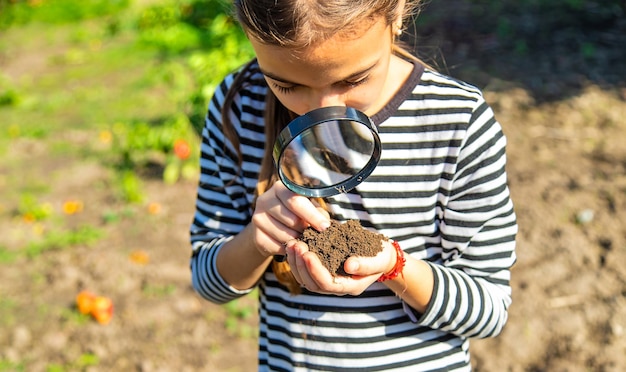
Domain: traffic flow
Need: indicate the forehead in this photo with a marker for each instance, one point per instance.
(334, 58)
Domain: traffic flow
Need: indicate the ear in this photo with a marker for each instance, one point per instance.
(397, 24)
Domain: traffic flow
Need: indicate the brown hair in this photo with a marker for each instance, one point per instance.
(297, 24)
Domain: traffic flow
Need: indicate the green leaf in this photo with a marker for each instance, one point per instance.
(171, 173)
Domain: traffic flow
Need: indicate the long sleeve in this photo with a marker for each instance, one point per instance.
(225, 190)
(478, 228)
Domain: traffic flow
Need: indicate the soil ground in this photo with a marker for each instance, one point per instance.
(567, 172)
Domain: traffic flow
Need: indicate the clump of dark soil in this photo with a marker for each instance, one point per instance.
(340, 241)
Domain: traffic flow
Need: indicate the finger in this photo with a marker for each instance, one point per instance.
(302, 258)
(364, 266)
(278, 231)
(327, 283)
(303, 208)
(318, 278)
(269, 204)
(353, 285)
(291, 259)
(268, 246)
(320, 208)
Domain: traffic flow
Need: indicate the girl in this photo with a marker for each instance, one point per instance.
(439, 192)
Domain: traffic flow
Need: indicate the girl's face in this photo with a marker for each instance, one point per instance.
(351, 70)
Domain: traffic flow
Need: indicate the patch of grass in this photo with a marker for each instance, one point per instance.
(7, 312)
(8, 256)
(238, 312)
(154, 290)
(55, 12)
(57, 240)
(111, 216)
(81, 363)
(73, 316)
(7, 365)
(82, 84)
(15, 131)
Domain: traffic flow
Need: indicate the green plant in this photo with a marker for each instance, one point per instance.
(172, 144)
(129, 186)
(19, 12)
(32, 210)
(9, 97)
(210, 41)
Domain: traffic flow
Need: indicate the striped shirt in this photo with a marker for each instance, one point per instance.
(440, 190)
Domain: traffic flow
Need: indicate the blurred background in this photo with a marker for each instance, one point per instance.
(101, 103)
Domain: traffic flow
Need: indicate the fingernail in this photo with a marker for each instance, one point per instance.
(324, 225)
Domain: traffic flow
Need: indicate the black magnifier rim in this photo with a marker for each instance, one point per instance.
(316, 117)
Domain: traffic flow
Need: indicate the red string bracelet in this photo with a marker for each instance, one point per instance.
(398, 267)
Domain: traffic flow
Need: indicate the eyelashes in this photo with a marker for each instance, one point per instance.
(353, 84)
(344, 84)
(282, 89)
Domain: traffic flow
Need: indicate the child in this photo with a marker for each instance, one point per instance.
(439, 193)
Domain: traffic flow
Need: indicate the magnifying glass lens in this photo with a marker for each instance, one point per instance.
(327, 151)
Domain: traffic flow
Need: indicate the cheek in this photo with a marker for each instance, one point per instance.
(365, 98)
(293, 103)
(290, 101)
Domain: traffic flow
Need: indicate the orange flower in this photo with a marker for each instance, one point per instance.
(102, 310)
(72, 207)
(182, 149)
(99, 307)
(85, 302)
(139, 257)
(105, 137)
(28, 217)
(154, 208)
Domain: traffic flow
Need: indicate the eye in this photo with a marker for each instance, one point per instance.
(356, 83)
(283, 89)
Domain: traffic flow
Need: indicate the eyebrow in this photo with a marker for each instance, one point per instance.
(285, 81)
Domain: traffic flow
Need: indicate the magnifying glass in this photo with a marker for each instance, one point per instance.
(327, 151)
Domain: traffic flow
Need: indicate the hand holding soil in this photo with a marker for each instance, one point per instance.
(340, 241)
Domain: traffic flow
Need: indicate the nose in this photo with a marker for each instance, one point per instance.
(325, 99)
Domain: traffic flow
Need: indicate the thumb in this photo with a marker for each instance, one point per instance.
(382, 263)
